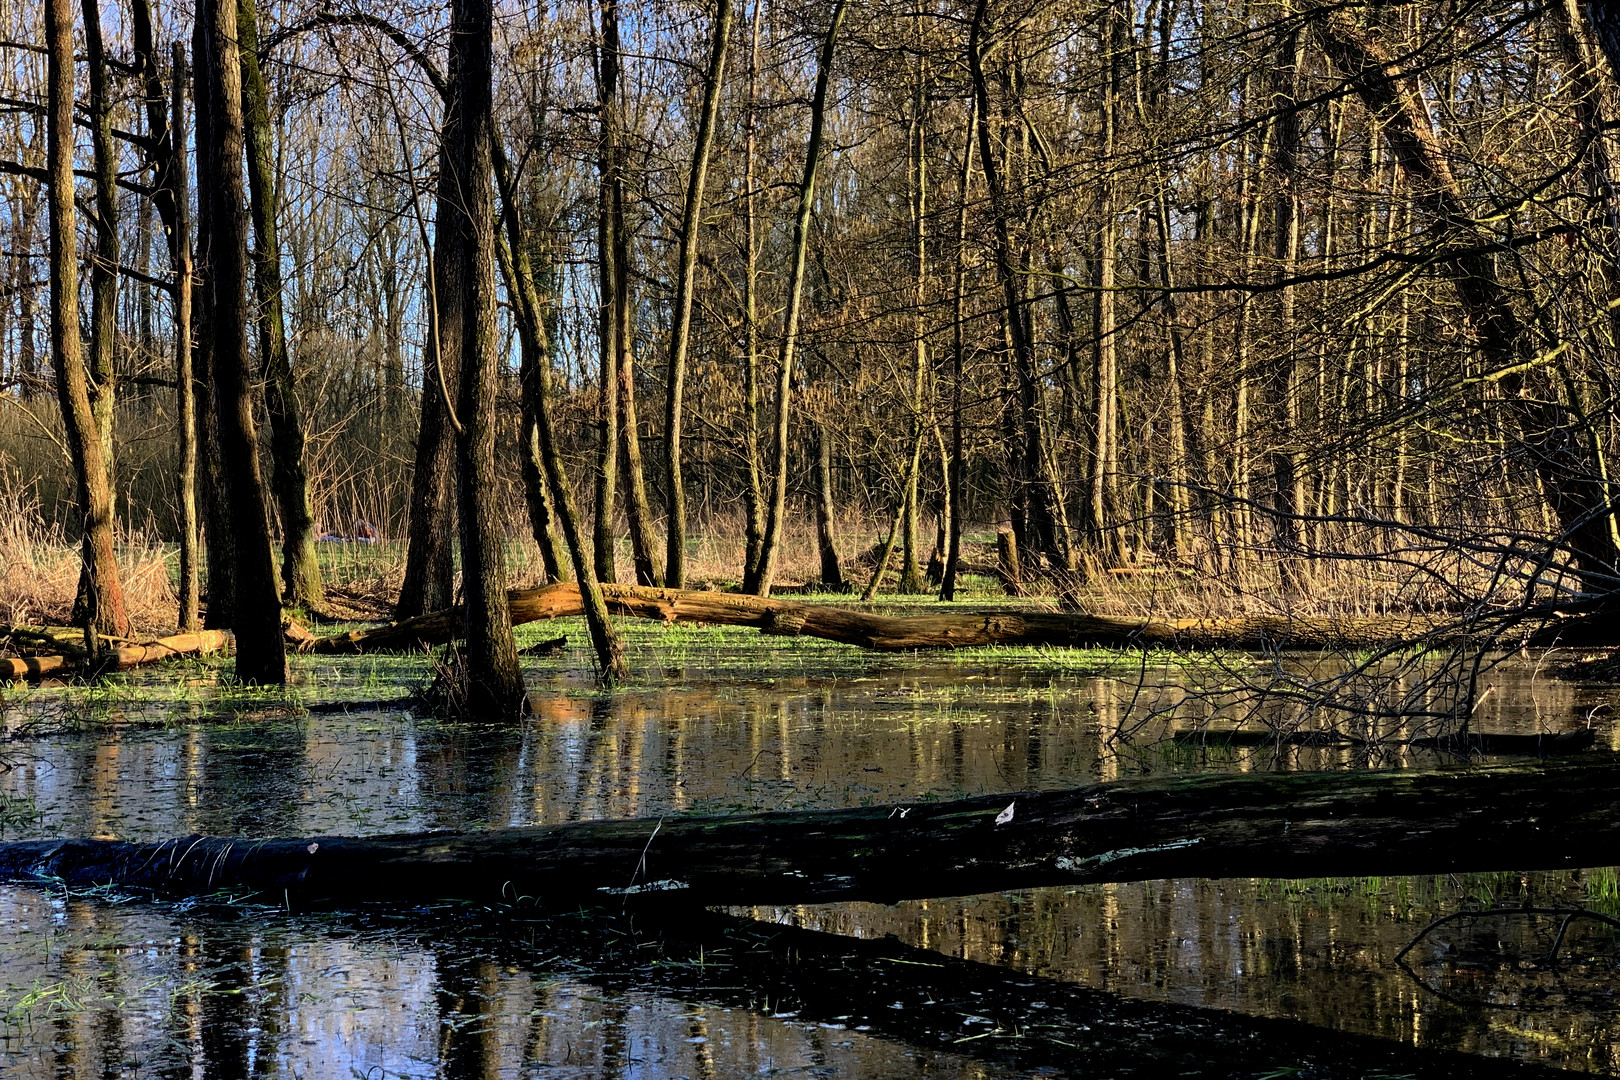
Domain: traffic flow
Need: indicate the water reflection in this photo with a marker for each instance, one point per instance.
(92, 989)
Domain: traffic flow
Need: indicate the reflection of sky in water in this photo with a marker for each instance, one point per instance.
(290, 1002)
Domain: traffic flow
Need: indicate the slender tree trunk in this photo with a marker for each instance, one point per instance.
(185, 382)
(289, 477)
(260, 650)
(1106, 539)
(104, 611)
(609, 211)
(1287, 467)
(911, 578)
(537, 403)
(220, 547)
(771, 543)
(754, 493)
(953, 553)
(104, 268)
(494, 680)
(685, 276)
(832, 574)
(638, 510)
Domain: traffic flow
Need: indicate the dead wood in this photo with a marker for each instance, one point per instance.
(1281, 825)
(124, 656)
(952, 630)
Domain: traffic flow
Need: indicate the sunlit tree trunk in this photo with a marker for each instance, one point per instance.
(685, 277)
(771, 543)
(185, 381)
(102, 601)
(289, 475)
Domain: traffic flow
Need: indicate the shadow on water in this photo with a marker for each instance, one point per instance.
(1105, 980)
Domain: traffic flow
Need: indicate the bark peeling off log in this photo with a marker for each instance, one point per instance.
(945, 631)
(1256, 825)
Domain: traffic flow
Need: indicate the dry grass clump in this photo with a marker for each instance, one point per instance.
(39, 570)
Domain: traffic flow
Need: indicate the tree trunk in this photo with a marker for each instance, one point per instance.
(104, 268)
(494, 680)
(1267, 825)
(220, 545)
(260, 650)
(832, 574)
(685, 276)
(118, 658)
(1557, 451)
(953, 553)
(537, 404)
(185, 381)
(776, 510)
(753, 493)
(103, 610)
(289, 477)
(609, 220)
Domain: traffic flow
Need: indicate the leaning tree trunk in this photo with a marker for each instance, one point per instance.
(494, 681)
(261, 655)
(104, 610)
(535, 386)
(685, 277)
(289, 476)
(759, 581)
(1558, 453)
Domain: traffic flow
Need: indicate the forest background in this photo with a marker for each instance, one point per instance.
(1209, 306)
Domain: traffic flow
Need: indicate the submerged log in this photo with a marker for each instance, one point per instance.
(1287, 825)
(952, 630)
(1468, 742)
(124, 656)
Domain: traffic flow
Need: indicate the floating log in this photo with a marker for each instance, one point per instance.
(1287, 825)
(117, 659)
(952, 630)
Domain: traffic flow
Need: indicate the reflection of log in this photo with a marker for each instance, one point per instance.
(124, 656)
(1247, 825)
(1476, 742)
(943, 631)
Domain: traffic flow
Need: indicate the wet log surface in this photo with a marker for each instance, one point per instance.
(1517, 817)
(952, 630)
(116, 659)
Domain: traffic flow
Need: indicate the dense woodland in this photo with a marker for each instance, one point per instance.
(1266, 294)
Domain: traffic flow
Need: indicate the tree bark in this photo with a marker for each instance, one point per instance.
(118, 658)
(103, 610)
(494, 680)
(609, 220)
(685, 277)
(184, 376)
(289, 476)
(776, 510)
(260, 650)
(832, 573)
(104, 268)
(1268, 825)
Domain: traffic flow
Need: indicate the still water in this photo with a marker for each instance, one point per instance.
(112, 986)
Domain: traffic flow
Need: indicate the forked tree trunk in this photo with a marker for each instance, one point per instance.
(760, 581)
(104, 610)
(260, 650)
(289, 475)
(685, 277)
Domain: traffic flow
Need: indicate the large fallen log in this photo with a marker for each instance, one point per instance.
(1246, 825)
(951, 630)
(117, 659)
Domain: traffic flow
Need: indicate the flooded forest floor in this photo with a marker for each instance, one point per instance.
(1204, 977)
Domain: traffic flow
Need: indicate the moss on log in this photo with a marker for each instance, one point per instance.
(1247, 825)
(953, 630)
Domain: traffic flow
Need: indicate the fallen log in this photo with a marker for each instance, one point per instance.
(1287, 825)
(117, 659)
(953, 630)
